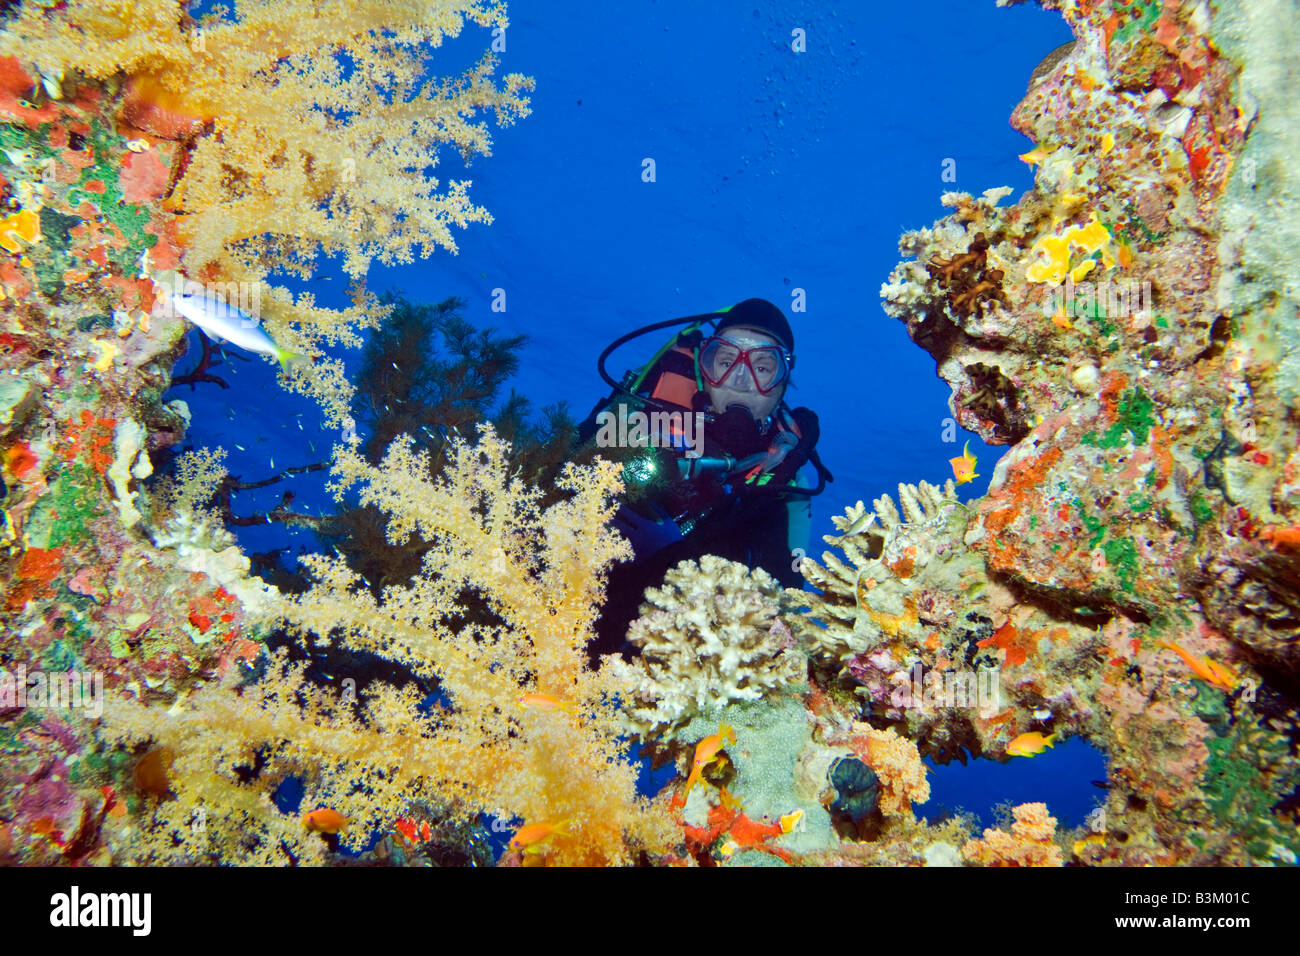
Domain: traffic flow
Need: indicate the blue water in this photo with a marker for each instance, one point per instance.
(775, 172)
(1061, 777)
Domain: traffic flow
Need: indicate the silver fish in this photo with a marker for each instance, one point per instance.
(226, 322)
(862, 523)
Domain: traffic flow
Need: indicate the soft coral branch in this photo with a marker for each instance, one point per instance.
(285, 157)
(540, 572)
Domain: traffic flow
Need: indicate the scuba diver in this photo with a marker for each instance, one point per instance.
(711, 455)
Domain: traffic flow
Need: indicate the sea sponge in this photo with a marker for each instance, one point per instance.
(712, 634)
(1030, 842)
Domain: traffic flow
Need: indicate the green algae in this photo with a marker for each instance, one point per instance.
(1094, 525)
(1121, 555)
(1135, 415)
(70, 507)
(111, 204)
(11, 731)
(58, 656)
(1137, 17)
(1249, 771)
(54, 256)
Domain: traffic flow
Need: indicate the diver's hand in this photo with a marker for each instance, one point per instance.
(647, 535)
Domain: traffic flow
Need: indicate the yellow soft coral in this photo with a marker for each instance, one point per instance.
(286, 154)
(374, 757)
(299, 155)
(1030, 842)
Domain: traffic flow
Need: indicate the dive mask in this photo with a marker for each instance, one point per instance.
(726, 363)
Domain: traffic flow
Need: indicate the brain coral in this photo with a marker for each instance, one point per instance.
(709, 636)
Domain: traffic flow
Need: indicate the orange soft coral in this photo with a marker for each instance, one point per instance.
(897, 763)
(1030, 842)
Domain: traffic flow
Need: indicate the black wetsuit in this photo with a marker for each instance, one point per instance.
(749, 524)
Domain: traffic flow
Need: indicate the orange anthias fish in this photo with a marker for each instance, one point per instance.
(1035, 156)
(530, 837)
(324, 820)
(1030, 744)
(1282, 536)
(963, 468)
(546, 703)
(1207, 670)
(413, 832)
(706, 751)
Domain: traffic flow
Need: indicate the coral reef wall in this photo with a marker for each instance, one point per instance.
(1129, 329)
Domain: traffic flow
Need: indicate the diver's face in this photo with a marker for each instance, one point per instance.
(739, 387)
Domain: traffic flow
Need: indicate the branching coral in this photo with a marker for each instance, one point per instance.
(491, 743)
(868, 600)
(712, 634)
(1030, 842)
(343, 174)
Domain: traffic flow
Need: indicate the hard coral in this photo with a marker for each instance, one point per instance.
(1153, 430)
(712, 634)
(871, 600)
